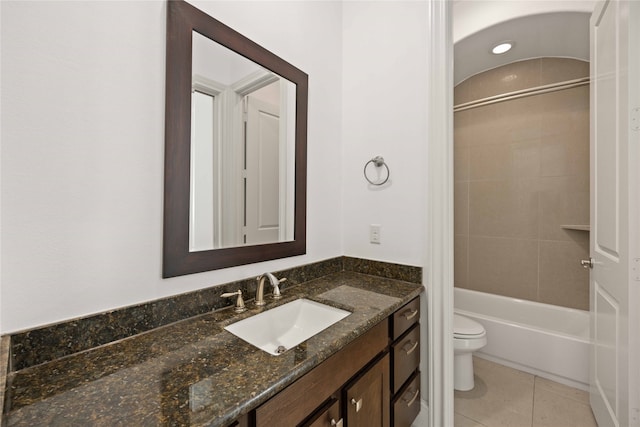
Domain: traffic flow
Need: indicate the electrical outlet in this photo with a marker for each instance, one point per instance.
(374, 233)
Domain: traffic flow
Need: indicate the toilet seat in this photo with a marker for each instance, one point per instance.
(465, 328)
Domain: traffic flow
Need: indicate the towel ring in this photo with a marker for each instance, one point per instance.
(378, 161)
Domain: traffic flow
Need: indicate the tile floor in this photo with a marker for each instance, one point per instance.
(505, 397)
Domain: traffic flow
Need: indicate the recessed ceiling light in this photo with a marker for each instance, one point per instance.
(502, 48)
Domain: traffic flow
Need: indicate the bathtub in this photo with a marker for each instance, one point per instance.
(542, 339)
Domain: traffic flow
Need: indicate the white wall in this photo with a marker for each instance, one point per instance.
(384, 106)
(82, 146)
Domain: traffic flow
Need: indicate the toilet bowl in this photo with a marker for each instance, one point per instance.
(468, 336)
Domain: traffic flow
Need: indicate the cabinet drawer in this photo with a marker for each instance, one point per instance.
(406, 356)
(407, 403)
(328, 416)
(405, 317)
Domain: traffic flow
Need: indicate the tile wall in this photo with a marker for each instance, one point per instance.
(521, 172)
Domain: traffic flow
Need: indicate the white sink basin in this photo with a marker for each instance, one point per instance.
(286, 326)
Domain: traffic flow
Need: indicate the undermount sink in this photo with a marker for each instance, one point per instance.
(282, 328)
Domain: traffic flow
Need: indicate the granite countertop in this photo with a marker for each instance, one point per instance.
(193, 372)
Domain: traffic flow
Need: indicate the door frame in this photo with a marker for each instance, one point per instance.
(438, 264)
(634, 209)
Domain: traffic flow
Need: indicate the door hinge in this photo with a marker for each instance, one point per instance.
(635, 269)
(635, 118)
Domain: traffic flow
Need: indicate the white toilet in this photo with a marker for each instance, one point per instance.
(468, 336)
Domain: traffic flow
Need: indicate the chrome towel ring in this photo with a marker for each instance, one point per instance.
(378, 162)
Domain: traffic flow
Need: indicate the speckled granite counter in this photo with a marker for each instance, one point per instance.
(193, 372)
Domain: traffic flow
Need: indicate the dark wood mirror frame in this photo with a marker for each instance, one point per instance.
(182, 20)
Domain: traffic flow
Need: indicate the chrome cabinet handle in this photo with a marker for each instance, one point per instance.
(409, 348)
(357, 404)
(409, 314)
(336, 423)
(413, 399)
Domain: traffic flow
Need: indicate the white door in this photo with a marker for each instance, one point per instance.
(262, 185)
(614, 219)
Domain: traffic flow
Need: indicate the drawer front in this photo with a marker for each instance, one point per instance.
(406, 317)
(406, 357)
(407, 404)
(329, 416)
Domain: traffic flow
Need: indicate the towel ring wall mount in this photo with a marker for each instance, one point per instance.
(378, 162)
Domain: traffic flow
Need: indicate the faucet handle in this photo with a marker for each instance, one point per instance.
(276, 288)
(239, 302)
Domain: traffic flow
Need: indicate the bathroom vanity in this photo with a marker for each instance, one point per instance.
(361, 371)
(352, 387)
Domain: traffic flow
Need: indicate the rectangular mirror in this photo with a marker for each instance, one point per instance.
(235, 162)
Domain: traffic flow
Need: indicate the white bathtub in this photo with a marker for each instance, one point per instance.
(542, 339)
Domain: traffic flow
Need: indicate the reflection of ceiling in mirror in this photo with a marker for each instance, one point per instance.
(209, 56)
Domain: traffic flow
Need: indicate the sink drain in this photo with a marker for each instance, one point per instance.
(281, 349)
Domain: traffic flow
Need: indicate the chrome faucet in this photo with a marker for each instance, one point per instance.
(260, 291)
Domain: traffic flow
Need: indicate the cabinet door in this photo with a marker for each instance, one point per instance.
(367, 398)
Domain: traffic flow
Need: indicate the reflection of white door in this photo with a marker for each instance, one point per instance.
(262, 172)
(615, 191)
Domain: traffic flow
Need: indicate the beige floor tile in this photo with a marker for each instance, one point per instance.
(462, 421)
(551, 409)
(570, 392)
(502, 397)
(505, 397)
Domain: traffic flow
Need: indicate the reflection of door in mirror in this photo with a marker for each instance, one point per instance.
(262, 135)
(241, 178)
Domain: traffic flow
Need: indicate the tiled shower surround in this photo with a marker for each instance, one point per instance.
(521, 173)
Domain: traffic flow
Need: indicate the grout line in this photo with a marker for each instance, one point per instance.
(467, 269)
(538, 274)
(472, 419)
(533, 398)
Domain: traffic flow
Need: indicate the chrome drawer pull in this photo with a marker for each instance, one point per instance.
(410, 314)
(409, 348)
(413, 399)
(335, 423)
(357, 404)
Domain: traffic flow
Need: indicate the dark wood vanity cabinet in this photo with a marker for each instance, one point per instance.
(372, 382)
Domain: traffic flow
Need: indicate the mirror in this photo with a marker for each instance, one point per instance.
(235, 149)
